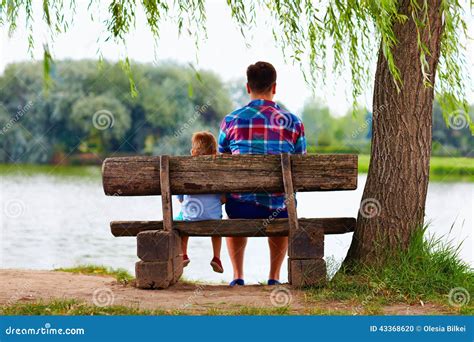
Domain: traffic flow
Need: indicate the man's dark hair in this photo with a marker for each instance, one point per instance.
(261, 76)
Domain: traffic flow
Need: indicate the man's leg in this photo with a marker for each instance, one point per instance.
(278, 247)
(236, 247)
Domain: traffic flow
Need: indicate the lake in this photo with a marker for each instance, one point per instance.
(50, 222)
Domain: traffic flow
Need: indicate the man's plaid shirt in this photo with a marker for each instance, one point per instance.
(262, 127)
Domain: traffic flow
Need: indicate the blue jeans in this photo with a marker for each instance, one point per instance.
(236, 209)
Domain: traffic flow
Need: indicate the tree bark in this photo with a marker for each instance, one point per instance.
(393, 202)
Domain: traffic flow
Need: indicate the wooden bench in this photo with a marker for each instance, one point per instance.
(159, 243)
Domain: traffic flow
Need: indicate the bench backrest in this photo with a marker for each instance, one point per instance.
(140, 176)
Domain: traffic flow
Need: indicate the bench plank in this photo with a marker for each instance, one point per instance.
(289, 200)
(166, 201)
(237, 227)
(140, 176)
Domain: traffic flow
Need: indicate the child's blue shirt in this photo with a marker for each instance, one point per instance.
(201, 207)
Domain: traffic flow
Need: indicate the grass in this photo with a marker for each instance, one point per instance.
(442, 169)
(70, 307)
(53, 170)
(452, 168)
(427, 271)
(120, 274)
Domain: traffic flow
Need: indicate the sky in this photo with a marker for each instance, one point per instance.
(224, 51)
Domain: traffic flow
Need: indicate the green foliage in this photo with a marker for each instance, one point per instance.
(447, 169)
(71, 307)
(26, 170)
(90, 108)
(428, 270)
(442, 169)
(106, 114)
(120, 274)
(455, 137)
(304, 29)
(327, 133)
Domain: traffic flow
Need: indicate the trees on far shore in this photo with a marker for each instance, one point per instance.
(89, 109)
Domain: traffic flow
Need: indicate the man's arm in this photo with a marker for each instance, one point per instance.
(223, 141)
(300, 143)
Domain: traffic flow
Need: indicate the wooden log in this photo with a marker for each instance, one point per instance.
(237, 227)
(166, 202)
(177, 268)
(154, 275)
(158, 245)
(306, 244)
(306, 272)
(290, 202)
(140, 176)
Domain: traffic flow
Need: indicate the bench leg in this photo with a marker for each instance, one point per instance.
(306, 266)
(161, 262)
(306, 272)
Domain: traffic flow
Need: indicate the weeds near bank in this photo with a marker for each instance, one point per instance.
(427, 270)
(120, 274)
(74, 307)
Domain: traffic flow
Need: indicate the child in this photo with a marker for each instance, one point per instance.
(203, 207)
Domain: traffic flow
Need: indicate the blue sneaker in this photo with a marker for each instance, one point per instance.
(272, 282)
(237, 282)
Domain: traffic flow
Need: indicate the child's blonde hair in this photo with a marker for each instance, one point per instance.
(204, 143)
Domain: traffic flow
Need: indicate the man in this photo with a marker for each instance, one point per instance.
(261, 127)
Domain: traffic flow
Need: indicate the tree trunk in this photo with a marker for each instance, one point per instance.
(393, 202)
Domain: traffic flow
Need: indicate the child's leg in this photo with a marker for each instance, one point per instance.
(216, 263)
(184, 244)
(216, 246)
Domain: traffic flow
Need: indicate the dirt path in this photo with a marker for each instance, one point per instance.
(30, 286)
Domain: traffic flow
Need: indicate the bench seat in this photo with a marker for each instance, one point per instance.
(236, 227)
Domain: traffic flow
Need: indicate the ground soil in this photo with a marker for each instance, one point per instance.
(30, 286)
